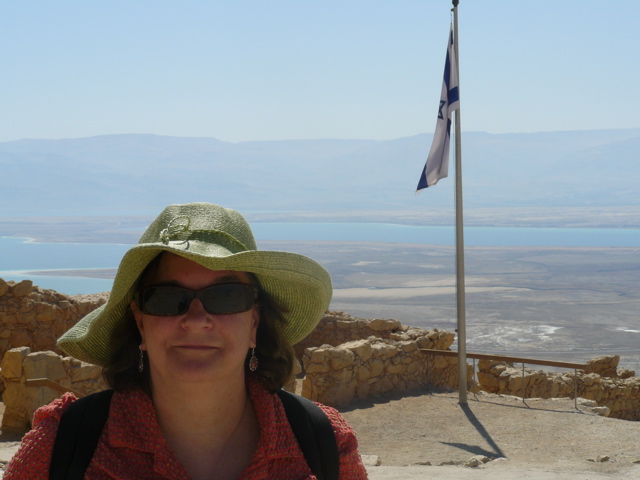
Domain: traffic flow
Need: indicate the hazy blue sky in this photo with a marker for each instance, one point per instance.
(301, 69)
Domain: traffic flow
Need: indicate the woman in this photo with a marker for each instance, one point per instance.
(195, 339)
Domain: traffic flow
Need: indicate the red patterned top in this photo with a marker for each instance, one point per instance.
(133, 447)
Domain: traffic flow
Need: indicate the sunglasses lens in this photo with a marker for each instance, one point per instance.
(228, 298)
(165, 300)
(225, 299)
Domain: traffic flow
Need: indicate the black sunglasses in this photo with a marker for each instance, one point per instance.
(222, 299)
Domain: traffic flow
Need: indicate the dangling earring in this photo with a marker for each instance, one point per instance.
(141, 361)
(253, 361)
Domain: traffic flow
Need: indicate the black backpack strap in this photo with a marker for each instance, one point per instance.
(79, 430)
(314, 433)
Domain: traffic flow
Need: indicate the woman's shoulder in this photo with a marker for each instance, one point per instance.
(32, 459)
(351, 466)
(341, 428)
(54, 410)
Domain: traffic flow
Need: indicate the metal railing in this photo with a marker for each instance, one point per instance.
(509, 359)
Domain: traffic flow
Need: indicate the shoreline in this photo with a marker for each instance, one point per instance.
(126, 229)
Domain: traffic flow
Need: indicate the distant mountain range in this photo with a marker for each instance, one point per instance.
(140, 174)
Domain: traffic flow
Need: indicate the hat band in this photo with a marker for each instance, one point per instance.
(179, 232)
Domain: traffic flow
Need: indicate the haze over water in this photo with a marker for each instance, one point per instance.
(20, 255)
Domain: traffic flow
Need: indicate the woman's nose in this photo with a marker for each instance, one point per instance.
(196, 315)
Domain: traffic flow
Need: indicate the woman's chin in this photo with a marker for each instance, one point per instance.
(198, 370)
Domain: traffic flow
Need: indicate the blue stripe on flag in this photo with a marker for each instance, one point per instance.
(437, 164)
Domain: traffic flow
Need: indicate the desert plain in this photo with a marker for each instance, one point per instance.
(557, 303)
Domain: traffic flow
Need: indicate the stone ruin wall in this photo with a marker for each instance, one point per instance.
(618, 390)
(348, 358)
(344, 359)
(355, 358)
(35, 318)
(21, 400)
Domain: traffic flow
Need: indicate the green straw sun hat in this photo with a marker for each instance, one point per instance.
(218, 239)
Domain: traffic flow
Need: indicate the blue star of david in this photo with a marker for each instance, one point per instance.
(442, 104)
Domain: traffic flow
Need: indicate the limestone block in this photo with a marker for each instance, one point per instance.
(46, 313)
(15, 421)
(27, 304)
(440, 362)
(502, 385)
(362, 349)
(400, 337)
(590, 379)
(413, 368)
(362, 390)
(413, 332)
(541, 390)
(382, 350)
(376, 368)
(20, 338)
(99, 385)
(36, 297)
(515, 383)
(36, 397)
(424, 342)
(434, 334)
(487, 380)
(317, 364)
(12, 362)
(339, 393)
(341, 357)
(394, 369)
(625, 373)
(87, 372)
(605, 366)
(22, 289)
(9, 319)
(383, 325)
(382, 385)
(602, 411)
(343, 325)
(316, 359)
(408, 346)
(4, 287)
(363, 374)
(70, 362)
(28, 316)
(44, 340)
(44, 365)
(17, 417)
(307, 389)
(443, 340)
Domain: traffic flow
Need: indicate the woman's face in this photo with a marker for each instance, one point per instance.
(196, 346)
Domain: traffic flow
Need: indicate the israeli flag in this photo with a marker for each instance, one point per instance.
(437, 165)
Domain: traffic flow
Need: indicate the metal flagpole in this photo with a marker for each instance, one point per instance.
(460, 291)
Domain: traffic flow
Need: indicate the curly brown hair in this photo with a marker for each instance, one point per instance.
(275, 354)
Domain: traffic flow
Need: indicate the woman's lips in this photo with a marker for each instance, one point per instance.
(196, 347)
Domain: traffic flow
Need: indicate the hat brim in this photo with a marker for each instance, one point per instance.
(300, 285)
